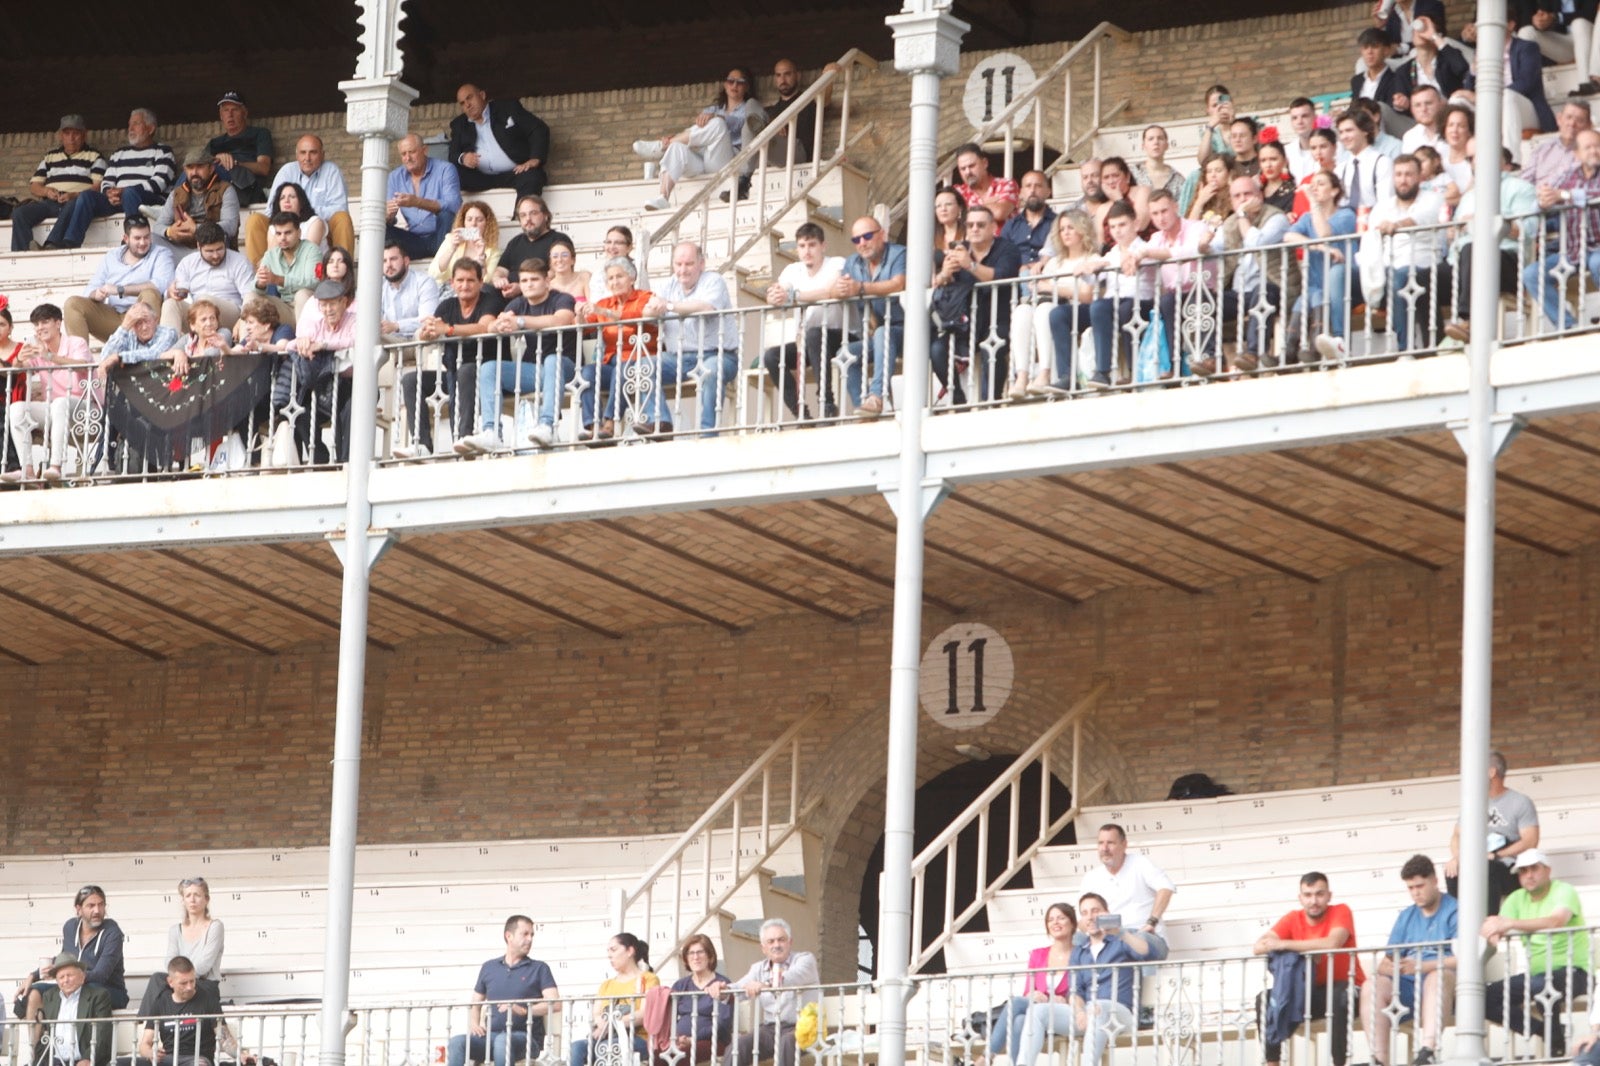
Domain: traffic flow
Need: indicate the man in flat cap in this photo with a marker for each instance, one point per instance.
(63, 174)
(204, 195)
(66, 1030)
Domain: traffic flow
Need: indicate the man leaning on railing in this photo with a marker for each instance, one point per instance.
(180, 1014)
(1556, 960)
(780, 966)
(1318, 926)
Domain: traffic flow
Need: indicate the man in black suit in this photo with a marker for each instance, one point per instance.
(498, 144)
(1388, 87)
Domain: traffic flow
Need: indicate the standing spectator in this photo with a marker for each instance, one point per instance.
(979, 187)
(139, 175)
(786, 80)
(1512, 821)
(65, 173)
(1153, 172)
(137, 269)
(1029, 228)
(243, 152)
(780, 968)
(1322, 926)
(498, 144)
(818, 328)
(873, 276)
(968, 319)
(1425, 975)
(524, 992)
(424, 196)
(1557, 956)
(204, 195)
(322, 182)
(710, 142)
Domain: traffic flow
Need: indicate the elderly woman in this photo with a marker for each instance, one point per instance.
(711, 142)
(623, 339)
(702, 1012)
(475, 236)
(198, 937)
(619, 1004)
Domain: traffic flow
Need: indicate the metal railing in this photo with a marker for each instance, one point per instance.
(775, 152)
(978, 814)
(751, 843)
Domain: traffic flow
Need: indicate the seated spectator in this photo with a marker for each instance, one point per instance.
(1153, 173)
(56, 395)
(694, 341)
(1127, 292)
(260, 330)
(1585, 1053)
(1030, 227)
(16, 384)
(1383, 141)
(1524, 106)
(1242, 134)
(217, 273)
(874, 274)
(311, 377)
(978, 186)
(1277, 184)
(139, 339)
(138, 175)
(1398, 19)
(786, 80)
(204, 195)
(544, 369)
(206, 339)
(1564, 32)
(1322, 926)
(470, 311)
(701, 1009)
(717, 135)
(524, 993)
(1434, 178)
(407, 295)
(1185, 286)
(777, 1010)
(74, 1026)
(949, 220)
(1366, 174)
(623, 338)
(475, 236)
(138, 269)
(1427, 108)
(1577, 196)
(1435, 63)
(1518, 201)
(1102, 1005)
(1042, 984)
(290, 198)
(1302, 124)
(1455, 155)
(424, 196)
(968, 321)
(498, 144)
(1219, 116)
(818, 329)
(1063, 294)
(181, 1019)
(339, 265)
(1557, 955)
(288, 270)
(1116, 182)
(1260, 284)
(243, 152)
(1090, 196)
(1211, 203)
(534, 242)
(1399, 238)
(324, 196)
(65, 173)
(1324, 160)
(616, 244)
(564, 274)
(618, 1012)
(1553, 158)
(1422, 956)
(1387, 86)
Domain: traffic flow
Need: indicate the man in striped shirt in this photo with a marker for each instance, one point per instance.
(62, 176)
(140, 174)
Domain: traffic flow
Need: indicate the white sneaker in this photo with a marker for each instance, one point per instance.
(652, 150)
(284, 453)
(543, 435)
(1331, 348)
(487, 443)
(658, 204)
(415, 450)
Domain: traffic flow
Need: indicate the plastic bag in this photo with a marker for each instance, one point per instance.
(1153, 361)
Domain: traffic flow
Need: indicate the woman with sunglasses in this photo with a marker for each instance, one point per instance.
(198, 936)
(712, 140)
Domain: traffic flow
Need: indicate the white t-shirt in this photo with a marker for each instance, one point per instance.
(797, 278)
(1131, 891)
(1120, 286)
(1411, 247)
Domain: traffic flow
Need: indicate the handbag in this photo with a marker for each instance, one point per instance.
(1153, 361)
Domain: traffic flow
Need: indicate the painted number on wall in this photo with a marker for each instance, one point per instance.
(966, 676)
(991, 87)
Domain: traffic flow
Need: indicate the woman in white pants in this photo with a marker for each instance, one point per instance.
(712, 140)
(1564, 32)
(55, 394)
(1038, 369)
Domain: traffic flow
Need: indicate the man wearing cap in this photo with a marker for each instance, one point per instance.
(1556, 960)
(243, 152)
(204, 195)
(139, 174)
(323, 182)
(498, 144)
(1513, 827)
(61, 177)
(67, 1033)
(138, 269)
(94, 940)
(310, 374)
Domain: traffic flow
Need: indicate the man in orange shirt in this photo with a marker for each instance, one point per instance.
(1319, 925)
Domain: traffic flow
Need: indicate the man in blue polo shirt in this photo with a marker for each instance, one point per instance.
(521, 993)
(874, 276)
(1420, 951)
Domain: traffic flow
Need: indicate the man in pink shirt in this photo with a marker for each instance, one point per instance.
(316, 374)
(1185, 283)
(59, 392)
(978, 186)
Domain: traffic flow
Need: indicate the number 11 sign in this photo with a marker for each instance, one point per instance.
(966, 676)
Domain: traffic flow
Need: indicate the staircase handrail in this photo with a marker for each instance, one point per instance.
(1010, 780)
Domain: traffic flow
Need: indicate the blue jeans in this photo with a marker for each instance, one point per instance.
(26, 216)
(579, 1055)
(1066, 326)
(1108, 318)
(1553, 298)
(423, 245)
(884, 349)
(1327, 296)
(714, 368)
(1005, 1033)
(463, 1047)
(510, 377)
(1424, 309)
(73, 225)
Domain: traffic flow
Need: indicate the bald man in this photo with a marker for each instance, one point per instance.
(424, 196)
(498, 144)
(324, 185)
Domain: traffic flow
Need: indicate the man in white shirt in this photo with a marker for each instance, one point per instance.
(1412, 255)
(1133, 887)
(1426, 106)
(325, 189)
(777, 1011)
(818, 329)
(217, 273)
(694, 341)
(1367, 174)
(408, 294)
(68, 1034)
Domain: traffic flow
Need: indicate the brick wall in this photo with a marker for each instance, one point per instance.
(1163, 73)
(1268, 684)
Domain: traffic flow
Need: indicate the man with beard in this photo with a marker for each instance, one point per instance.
(1412, 253)
(138, 269)
(1029, 228)
(140, 173)
(534, 242)
(217, 273)
(1319, 925)
(407, 294)
(94, 940)
(786, 79)
(1089, 183)
(204, 195)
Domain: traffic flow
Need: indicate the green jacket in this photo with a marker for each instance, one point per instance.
(94, 1037)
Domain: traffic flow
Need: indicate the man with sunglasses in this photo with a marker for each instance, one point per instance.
(874, 276)
(965, 316)
(94, 940)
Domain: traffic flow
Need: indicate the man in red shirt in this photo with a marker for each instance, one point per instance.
(978, 186)
(1320, 926)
